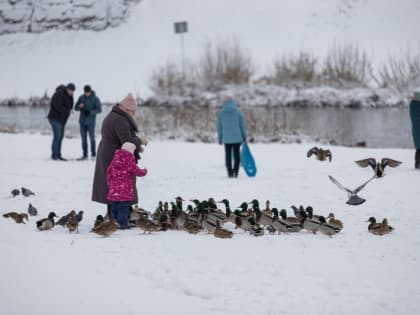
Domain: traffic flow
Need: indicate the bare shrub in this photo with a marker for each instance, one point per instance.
(347, 65)
(226, 62)
(298, 68)
(170, 80)
(401, 75)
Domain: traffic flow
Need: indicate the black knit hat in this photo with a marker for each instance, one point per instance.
(87, 88)
(71, 86)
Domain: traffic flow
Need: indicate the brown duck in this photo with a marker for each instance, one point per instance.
(17, 217)
(220, 232)
(106, 228)
(321, 154)
(73, 223)
(333, 221)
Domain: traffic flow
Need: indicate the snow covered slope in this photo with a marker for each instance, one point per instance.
(37, 16)
(120, 60)
(175, 273)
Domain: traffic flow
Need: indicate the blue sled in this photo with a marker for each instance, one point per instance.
(247, 161)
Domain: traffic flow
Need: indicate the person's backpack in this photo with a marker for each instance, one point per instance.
(247, 161)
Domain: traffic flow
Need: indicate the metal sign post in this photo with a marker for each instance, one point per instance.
(181, 28)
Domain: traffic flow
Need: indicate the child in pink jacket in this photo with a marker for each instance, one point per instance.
(120, 178)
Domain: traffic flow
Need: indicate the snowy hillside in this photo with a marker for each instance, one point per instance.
(122, 59)
(42, 15)
(173, 272)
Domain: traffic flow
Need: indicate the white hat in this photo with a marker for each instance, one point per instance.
(128, 146)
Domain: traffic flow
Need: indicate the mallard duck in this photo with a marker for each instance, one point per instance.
(326, 228)
(378, 167)
(280, 225)
(191, 225)
(241, 217)
(386, 225)
(158, 212)
(310, 211)
(17, 217)
(27, 192)
(379, 228)
(148, 225)
(208, 225)
(179, 203)
(32, 210)
(290, 220)
(73, 223)
(47, 223)
(320, 154)
(135, 214)
(65, 218)
(354, 199)
(221, 232)
(99, 220)
(333, 221)
(106, 228)
(310, 225)
(262, 217)
(228, 211)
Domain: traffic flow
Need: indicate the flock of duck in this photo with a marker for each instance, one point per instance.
(207, 215)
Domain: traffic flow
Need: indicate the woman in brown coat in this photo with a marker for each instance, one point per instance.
(118, 127)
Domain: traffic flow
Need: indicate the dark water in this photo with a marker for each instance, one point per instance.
(378, 127)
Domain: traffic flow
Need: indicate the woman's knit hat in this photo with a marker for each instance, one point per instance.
(129, 103)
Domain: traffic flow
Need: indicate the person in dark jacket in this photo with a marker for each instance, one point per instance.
(89, 106)
(232, 132)
(60, 108)
(118, 127)
(415, 120)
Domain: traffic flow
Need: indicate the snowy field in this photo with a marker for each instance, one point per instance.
(176, 273)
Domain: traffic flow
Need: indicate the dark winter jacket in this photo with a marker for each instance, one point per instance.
(118, 127)
(231, 125)
(92, 107)
(61, 105)
(415, 120)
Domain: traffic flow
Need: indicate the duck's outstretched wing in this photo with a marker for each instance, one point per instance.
(367, 162)
(390, 162)
(358, 189)
(339, 185)
(314, 150)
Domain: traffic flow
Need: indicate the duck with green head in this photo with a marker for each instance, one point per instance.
(326, 228)
(228, 211)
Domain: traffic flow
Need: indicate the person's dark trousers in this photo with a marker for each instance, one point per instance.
(229, 148)
(58, 134)
(86, 130)
(119, 211)
(417, 159)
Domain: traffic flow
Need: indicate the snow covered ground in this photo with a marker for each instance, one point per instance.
(122, 59)
(173, 272)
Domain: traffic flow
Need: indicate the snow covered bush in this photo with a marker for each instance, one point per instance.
(402, 75)
(347, 65)
(170, 80)
(225, 62)
(301, 68)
